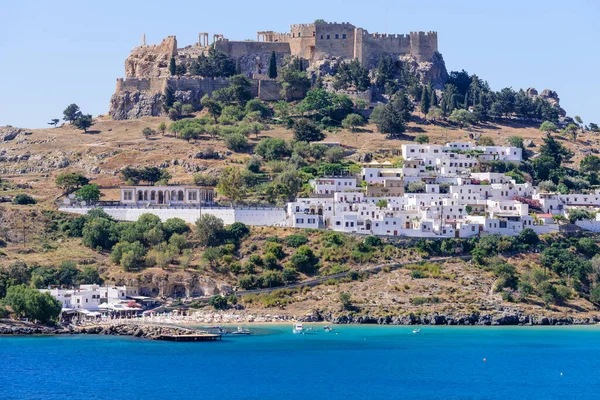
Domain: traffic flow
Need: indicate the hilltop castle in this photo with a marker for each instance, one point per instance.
(147, 73)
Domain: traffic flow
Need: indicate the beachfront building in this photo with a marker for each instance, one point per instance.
(93, 301)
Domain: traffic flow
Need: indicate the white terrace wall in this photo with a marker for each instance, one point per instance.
(248, 216)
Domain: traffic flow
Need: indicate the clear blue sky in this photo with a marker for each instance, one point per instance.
(59, 52)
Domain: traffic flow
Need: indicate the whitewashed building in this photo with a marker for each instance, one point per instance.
(453, 201)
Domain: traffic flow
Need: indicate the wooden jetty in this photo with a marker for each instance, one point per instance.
(194, 337)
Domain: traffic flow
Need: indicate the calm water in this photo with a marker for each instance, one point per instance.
(357, 363)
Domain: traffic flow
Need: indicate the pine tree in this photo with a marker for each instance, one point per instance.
(425, 100)
(273, 66)
(466, 103)
(434, 99)
(172, 67)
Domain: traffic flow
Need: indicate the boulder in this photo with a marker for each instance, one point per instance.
(8, 133)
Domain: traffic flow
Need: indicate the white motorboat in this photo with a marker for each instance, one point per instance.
(241, 331)
(416, 330)
(298, 329)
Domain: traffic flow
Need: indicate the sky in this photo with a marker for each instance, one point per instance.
(59, 52)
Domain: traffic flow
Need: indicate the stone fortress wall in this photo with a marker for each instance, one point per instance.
(147, 68)
(321, 39)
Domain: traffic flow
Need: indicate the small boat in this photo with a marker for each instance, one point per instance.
(327, 328)
(241, 331)
(298, 329)
(416, 330)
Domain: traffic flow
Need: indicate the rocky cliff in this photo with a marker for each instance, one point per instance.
(131, 105)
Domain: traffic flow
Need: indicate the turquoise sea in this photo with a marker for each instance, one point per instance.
(352, 362)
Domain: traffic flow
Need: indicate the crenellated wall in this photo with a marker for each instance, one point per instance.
(321, 39)
(423, 45)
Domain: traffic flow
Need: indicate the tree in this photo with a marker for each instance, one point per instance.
(425, 100)
(572, 129)
(422, 139)
(231, 185)
(98, 233)
(218, 302)
(272, 66)
(214, 107)
(485, 141)
(555, 150)
(89, 275)
(32, 304)
(162, 127)
(210, 230)
(543, 166)
(516, 141)
(147, 174)
(462, 117)
(172, 66)
(237, 231)
(388, 120)
(590, 164)
(435, 114)
(71, 113)
(272, 149)
(83, 122)
(329, 108)
(528, 236)
(239, 89)
(579, 214)
(548, 127)
(351, 74)
(88, 193)
(147, 132)
(67, 274)
(352, 121)
(304, 260)
(307, 131)
(346, 301)
(54, 122)
(70, 181)
(293, 80)
(215, 64)
(383, 203)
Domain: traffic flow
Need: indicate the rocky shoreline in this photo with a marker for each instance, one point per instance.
(136, 330)
(152, 331)
(506, 318)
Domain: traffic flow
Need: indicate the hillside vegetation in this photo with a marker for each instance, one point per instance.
(255, 152)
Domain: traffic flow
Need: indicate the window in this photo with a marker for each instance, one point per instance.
(321, 36)
(328, 37)
(344, 36)
(128, 195)
(192, 196)
(337, 36)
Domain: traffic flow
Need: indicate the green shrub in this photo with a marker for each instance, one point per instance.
(373, 241)
(417, 301)
(417, 274)
(295, 240)
(270, 261)
(247, 282)
(304, 260)
(256, 259)
(24, 199)
(218, 302)
(236, 142)
(274, 248)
